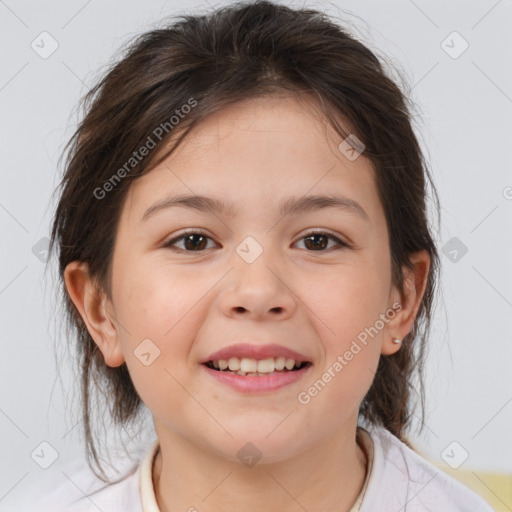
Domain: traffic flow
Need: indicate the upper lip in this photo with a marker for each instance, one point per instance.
(252, 351)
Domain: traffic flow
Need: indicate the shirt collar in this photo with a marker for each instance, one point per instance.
(147, 492)
(365, 441)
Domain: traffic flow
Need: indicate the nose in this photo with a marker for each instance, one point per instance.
(259, 290)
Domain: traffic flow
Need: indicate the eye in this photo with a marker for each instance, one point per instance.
(194, 241)
(318, 240)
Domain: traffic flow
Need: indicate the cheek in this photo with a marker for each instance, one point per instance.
(350, 310)
(159, 326)
(153, 300)
(348, 298)
(165, 307)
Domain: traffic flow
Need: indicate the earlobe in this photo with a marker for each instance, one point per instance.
(415, 283)
(93, 307)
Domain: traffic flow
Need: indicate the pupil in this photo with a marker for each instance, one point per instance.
(316, 244)
(193, 246)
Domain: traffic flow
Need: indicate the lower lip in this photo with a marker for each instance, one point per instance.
(255, 384)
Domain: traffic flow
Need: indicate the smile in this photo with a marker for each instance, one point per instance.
(250, 367)
(248, 375)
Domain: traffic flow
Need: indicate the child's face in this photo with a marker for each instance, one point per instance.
(313, 299)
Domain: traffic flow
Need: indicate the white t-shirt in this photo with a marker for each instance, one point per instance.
(398, 480)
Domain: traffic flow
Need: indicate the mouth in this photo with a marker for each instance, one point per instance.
(256, 368)
(255, 376)
(250, 367)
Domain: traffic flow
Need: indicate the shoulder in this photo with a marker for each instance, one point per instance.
(401, 479)
(75, 488)
(121, 496)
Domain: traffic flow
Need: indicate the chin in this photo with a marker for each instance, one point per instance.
(268, 446)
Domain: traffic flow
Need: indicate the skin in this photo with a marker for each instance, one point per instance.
(256, 153)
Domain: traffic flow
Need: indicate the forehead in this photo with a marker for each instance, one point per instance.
(260, 151)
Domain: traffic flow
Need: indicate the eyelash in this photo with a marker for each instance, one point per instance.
(170, 243)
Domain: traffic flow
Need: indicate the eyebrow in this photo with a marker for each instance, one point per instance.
(291, 206)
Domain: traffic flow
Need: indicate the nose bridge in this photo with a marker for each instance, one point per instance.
(257, 284)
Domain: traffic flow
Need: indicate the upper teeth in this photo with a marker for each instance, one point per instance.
(246, 364)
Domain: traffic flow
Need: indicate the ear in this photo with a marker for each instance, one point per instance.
(95, 310)
(415, 283)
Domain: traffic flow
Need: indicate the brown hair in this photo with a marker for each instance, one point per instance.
(210, 61)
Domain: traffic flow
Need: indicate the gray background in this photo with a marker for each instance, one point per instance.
(465, 105)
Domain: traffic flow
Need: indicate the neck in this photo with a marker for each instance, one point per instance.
(329, 476)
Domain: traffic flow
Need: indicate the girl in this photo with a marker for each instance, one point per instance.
(244, 249)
